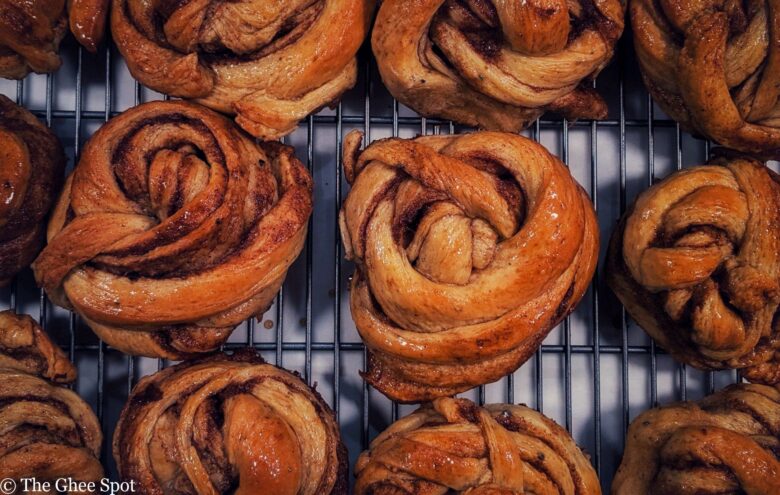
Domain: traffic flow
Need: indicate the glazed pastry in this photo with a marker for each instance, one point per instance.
(497, 64)
(714, 66)
(458, 240)
(454, 446)
(269, 63)
(31, 31)
(174, 228)
(696, 262)
(24, 346)
(728, 442)
(88, 21)
(47, 432)
(32, 164)
(229, 424)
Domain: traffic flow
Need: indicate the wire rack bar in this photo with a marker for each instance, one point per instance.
(593, 374)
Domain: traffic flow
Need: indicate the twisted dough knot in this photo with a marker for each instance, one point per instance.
(454, 446)
(696, 262)
(173, 228)
(469, 249)
(32, 164)
(496, 64)
(714, 66)
(270, 63)
(728, 442)
(229, 424)
(47, 432)
(31, 32)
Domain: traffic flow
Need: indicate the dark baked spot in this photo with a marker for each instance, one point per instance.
(563, 307)
(147, 395)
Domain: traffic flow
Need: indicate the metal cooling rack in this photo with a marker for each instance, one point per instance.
(594, 373)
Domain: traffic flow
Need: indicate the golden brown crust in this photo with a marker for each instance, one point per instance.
(32, 164)
(88, 21)
(30, 35)
(714, 66)
(454, 446)
(173, 228)
(31, 32)
(496, 64)
(48, 432)
(269, 63)
(469, 250)
(696, 262)
(229, 424)
(24, 346)
(728, 442)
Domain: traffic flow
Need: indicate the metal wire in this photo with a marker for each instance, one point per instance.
(617, 361)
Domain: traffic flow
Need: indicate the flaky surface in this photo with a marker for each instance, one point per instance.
(714, 66)
(47, 432)
(31, 31)
(173, 228)
(496, 64)
(229, 424)
(727, 443)
(469, 250)
(32, 165)
(696, 262)
(24, 346)
(452, 446)
(269, 63)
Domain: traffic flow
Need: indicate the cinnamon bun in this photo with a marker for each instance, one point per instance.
(269, 63)
(47, 432)
(24, 346)
(454, 446)
(469, 250)
(32, 164)
(497, 64)
(31, 32)
(173, 228)
(728, 442)
(714, 66)
(229, 424)
(696, 262)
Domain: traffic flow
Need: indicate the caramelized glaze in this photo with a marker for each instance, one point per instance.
(452, 446)
(496, 64)
(696, 262)
(24, 346)
(229, 424)
(714, 66)
(47, 432)
(173, 228)
(268, 63)
(469, 249)
(262, 446)
(728, 442)
(31, 32)
(32, 163)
